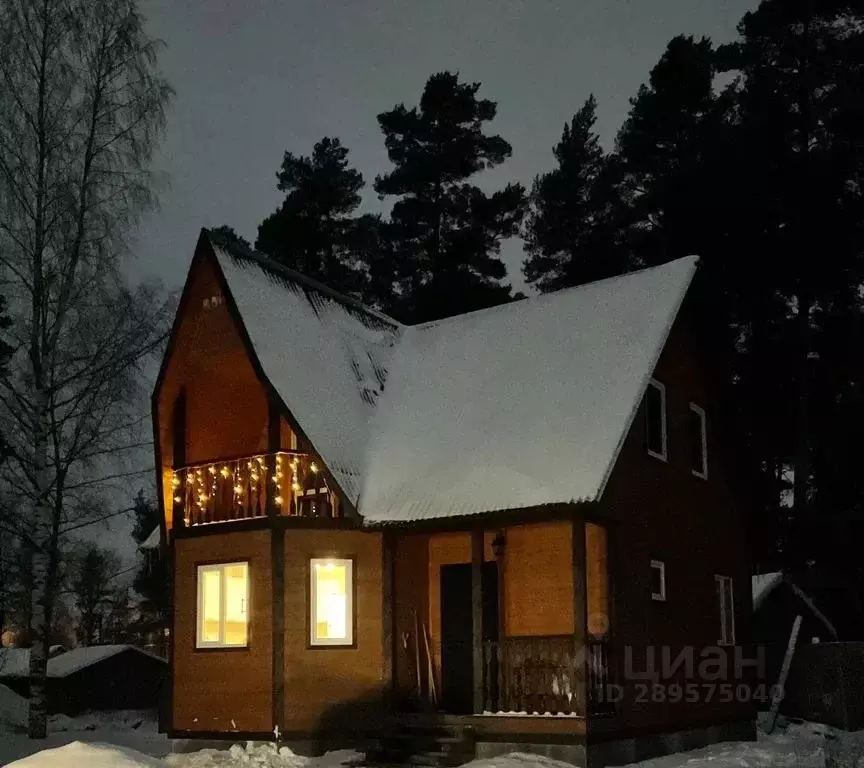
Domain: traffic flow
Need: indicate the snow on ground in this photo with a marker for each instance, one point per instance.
(801, 746)
(129, 729)
(122, 740)
(81, 755)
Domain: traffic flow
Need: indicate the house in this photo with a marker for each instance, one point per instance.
(98, 677)
(520, 521)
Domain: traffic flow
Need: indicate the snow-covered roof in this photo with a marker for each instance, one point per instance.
(763, 585)
(64, 664)
(152, 541)
(520, 405)
(14, 662)
(326, 357)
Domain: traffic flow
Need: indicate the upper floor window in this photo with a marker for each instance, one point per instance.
(658, 580)
(698, 442)
(332, 602)
(655, 420)
(726, 606)
(223, 605)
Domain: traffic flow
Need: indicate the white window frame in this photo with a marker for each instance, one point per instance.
(727, 623)
(659, 565)
(220, 568)
(700, 412)
(321, 642)
(664, 455)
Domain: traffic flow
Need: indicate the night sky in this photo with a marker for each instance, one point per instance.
(257, 77)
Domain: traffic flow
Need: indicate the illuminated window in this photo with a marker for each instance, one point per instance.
(223, 605)
(332, 602)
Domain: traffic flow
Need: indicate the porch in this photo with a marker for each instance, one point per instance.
(507, 623)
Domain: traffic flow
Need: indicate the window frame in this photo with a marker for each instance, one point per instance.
(659, 565)
(220, 566)
(313, 642)
(727, 638)
(700, 412)
(664, 439)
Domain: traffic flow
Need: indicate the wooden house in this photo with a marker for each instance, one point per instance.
(520, 521)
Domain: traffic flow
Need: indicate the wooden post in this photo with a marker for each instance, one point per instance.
(271, 490)
(477, 616)
(500, 548)
(179, 457)
(277, 567)
(779, 690)
(388, 553)
(580, 699)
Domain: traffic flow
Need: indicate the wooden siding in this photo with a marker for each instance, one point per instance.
(411, 597)
(216, 690)
(538, 585)
(330, 689)
(226, 403)
(659, 510)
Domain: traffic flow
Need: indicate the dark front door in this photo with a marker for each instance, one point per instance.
(457, 668)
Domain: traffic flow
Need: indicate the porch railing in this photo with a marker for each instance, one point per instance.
(541, 675)
(238, 488)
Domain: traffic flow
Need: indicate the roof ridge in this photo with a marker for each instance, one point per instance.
(241, 252)
(538, 297)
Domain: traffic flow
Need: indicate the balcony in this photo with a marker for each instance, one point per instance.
(540, 675)
(242, 488)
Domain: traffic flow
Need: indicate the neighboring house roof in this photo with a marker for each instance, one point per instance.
(520, 405)
(152, 541)
(762, 586)
(15, 662)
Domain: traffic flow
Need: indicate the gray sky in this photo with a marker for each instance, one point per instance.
(257, 77)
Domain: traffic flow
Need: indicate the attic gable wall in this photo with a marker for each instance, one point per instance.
(226, 403)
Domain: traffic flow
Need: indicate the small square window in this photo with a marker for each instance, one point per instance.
(658, 580)
(726, 606)
(655, 420)
(332, 602)
(223, 606)
(698, 442)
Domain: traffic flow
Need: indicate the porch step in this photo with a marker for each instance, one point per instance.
(424, 747)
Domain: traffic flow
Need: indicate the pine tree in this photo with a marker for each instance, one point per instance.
(799, 120)
(311, 231)
(152, 581)
(567, 234)
(661, 155)
(228, 235)
(92, 592)
(446, 231)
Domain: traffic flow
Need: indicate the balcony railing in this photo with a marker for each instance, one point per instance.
(238, 489)
(540, 675)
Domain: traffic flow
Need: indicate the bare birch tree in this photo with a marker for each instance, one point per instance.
(82, 105)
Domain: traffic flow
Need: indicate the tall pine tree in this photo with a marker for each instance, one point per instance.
(568, 237)
(312, 229)
(800, 117)
(446, 231)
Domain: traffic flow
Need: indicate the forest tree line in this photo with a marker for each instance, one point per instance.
(748, 154)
